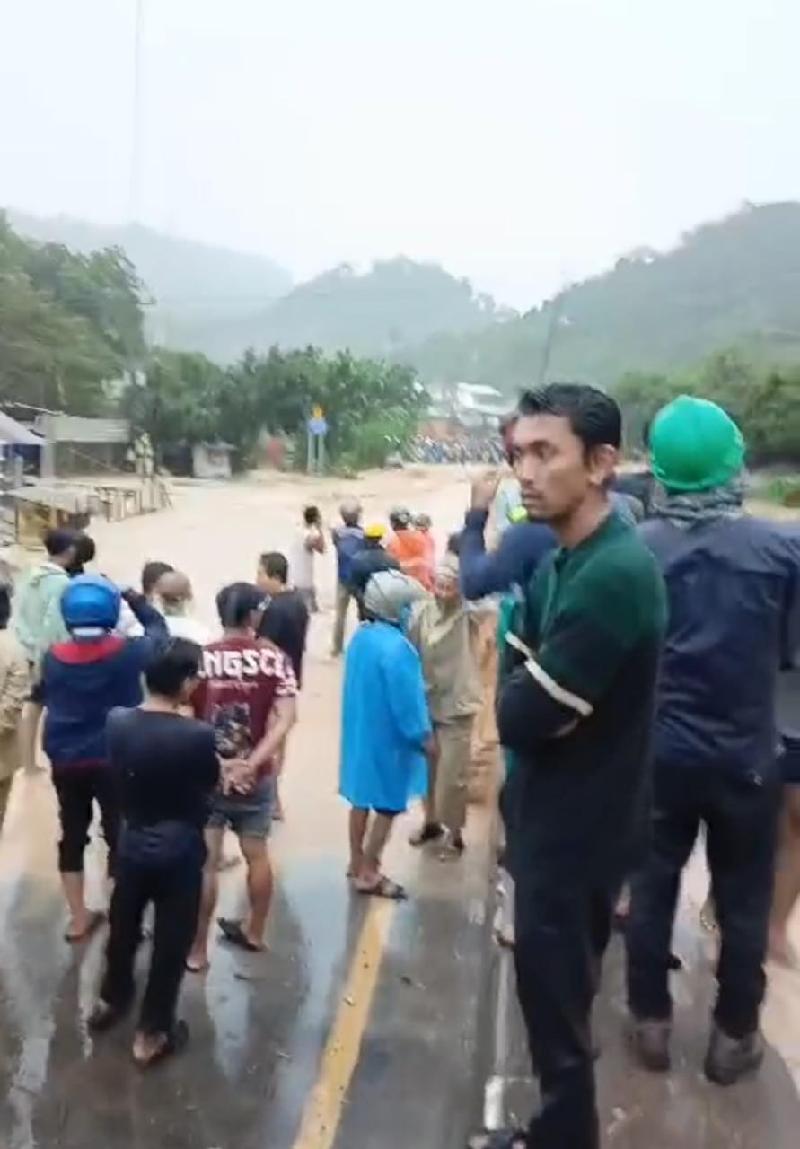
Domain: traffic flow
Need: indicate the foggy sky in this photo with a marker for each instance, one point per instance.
(520, 142)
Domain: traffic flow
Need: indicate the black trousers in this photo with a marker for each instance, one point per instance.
(562, 930)
(77, 787)
(174, 890)
(740, 816)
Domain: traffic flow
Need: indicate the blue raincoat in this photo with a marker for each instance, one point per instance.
(385, 721)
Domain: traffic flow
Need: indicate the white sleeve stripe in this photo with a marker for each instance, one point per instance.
(519, 645)
(556, 692)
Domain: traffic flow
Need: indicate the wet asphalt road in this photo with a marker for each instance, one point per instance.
(295, 1049)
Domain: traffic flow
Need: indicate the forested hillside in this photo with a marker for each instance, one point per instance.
(70, 324)
(191, 287)
(733, 283)
(397, 303)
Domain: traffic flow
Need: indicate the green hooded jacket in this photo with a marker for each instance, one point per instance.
(37, 620)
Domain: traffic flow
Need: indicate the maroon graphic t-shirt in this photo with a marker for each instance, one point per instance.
(241, 678)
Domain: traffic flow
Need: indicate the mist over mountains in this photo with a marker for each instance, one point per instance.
(730, 283)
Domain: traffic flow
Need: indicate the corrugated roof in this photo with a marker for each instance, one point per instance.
(13, 432)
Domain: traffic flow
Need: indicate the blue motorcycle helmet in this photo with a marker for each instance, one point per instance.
(90, 606)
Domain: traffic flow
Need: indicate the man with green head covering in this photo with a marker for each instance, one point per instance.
(733, 585)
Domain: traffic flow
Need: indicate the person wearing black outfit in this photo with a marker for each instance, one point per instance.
(733, 584)
(371, 559)
(285, 617)
(166, 768)
(284, 621)
(574, 710)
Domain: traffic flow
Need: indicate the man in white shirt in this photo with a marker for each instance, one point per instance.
(310, 541)
(174, 596)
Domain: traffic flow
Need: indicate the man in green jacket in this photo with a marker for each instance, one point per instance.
(575, 708)
(37, 624)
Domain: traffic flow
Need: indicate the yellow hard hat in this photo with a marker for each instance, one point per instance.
(374, 531)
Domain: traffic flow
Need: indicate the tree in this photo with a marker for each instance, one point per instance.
(765, 402)
(68, 324)
(176, 400)
(371, 407)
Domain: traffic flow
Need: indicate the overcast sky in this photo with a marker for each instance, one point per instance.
(520, 142)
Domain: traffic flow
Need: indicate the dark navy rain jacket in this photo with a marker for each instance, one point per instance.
(734, 622)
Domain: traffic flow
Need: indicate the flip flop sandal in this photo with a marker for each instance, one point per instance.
(174, 1042)
(104, 1017)
(499, 1139)
(96, 919)
(430, 832)
(232, 932)
(384, 888)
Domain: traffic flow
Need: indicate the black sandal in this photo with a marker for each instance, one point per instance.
(384, 888)
(104, 1017)
(499, 1139)
(428, 832)
(93, 924)
(232, 932)
(174, 1042)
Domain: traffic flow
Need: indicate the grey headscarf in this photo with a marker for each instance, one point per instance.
(686, 509)
(388, 594)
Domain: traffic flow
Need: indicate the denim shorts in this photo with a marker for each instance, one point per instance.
(248, 815)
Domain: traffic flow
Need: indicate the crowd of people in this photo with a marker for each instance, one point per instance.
(174, 734)
(635, 705)
(484, 448)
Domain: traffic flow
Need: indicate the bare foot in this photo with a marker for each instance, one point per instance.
(81, 928)
(150, 1048)
(146, 1046)
(197, 961)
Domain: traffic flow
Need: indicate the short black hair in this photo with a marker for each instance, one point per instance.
(236, 602)
(59, 540)
(594, 417)
(172, 667)
(85, 549)
(275, 565)
(152, 572)
(454, 544)
(5, 605)
(311, 515)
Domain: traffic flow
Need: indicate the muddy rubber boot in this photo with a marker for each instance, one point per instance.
(649, 1042)
(731, 1058)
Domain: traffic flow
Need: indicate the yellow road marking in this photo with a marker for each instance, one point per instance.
(323, 1108)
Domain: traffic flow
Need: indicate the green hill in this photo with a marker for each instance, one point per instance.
(190, 286)
(732, 283)
(396, 303)
(221, 302)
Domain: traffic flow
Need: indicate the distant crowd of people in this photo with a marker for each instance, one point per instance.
(486, 449)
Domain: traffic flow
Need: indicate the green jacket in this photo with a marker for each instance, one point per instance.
(37, 620)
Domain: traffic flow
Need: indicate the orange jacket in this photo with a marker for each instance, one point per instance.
(411, 549)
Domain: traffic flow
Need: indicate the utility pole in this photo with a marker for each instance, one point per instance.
(135, 189)
(550, 339)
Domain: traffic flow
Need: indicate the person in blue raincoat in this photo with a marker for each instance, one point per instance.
(387, 737)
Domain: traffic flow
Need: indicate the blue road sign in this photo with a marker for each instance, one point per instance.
(318, 426)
